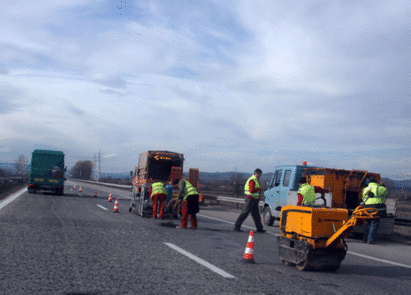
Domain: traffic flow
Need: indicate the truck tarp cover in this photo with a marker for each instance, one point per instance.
(46, 164)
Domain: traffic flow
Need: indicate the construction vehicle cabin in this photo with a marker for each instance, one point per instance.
(343, 189)
(156, 166)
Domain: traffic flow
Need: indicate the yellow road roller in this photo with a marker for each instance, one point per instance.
(312, 238)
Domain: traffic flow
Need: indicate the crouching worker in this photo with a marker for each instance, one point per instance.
(158, 194)
(189, 195)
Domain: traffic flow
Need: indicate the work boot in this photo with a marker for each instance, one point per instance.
(192, 227)
(181, 227)
(238, 229)
(261, 231)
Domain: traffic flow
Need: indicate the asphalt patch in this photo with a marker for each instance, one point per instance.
(167, 224)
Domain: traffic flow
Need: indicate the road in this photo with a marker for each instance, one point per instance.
(76, 244)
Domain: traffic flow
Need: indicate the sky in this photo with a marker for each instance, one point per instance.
(233, 85)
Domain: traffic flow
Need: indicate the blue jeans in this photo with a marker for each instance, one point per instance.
(370, 230)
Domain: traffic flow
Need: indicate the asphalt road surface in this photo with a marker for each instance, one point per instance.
(76, 244)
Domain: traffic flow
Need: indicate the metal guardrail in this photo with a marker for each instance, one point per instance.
(120, 186)
(10, 179)
(402, 222)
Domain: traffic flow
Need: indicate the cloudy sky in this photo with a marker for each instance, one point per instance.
(231, 84)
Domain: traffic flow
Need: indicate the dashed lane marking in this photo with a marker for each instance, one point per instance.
(201, 261)
(12, 198)
(229, 222)
(102, 207)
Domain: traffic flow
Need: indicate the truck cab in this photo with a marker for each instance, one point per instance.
(282, 191)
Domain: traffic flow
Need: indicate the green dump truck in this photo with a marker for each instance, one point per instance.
(47, 172)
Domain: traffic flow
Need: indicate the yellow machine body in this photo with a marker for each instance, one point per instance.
(310, 223)
(312, 238)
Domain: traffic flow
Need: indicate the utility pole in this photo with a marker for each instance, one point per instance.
(99, 166)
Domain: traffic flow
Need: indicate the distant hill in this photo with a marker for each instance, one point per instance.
(11, 167)
(209, 177)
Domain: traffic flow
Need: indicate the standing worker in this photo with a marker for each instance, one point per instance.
(189, 195)
(374, 196)
(306, 193)
(252, 193)
(157, 194)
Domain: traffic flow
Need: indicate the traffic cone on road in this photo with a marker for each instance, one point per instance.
(116, 206)
(249, 249)
(95, 194)
(75, 186)
(109, 198)
(80, 189)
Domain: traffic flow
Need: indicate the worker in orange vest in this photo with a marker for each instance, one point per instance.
(158, 193)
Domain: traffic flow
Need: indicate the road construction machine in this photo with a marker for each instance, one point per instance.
(154, 166)
(312, 238)
(343, 190)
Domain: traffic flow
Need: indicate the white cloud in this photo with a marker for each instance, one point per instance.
(241, 85)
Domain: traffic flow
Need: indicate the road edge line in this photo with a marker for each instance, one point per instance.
(11, 198)
(379, 259)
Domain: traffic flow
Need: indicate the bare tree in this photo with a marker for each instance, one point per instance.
(82, 170)
(21, 164)
(238, 181)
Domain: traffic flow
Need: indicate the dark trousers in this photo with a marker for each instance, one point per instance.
(250, 206)
(370, 230)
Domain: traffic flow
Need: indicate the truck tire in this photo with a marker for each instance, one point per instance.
(267, 217)
(60, 191)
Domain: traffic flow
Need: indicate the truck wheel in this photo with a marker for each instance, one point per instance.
(267, 217)
(60, 191)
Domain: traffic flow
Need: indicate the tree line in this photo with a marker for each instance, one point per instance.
(82, 170)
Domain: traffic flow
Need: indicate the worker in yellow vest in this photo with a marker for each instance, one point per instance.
(158, 194)
(306, 193)
(374, 196)
(189, 195)
(252, 194)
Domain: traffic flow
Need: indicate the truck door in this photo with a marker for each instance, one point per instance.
(276, 195)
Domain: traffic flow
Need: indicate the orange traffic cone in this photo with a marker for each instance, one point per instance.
(75, 186)
(95, 194)
(116, 206)
(109, 198)
(80, 189)
(249, 249)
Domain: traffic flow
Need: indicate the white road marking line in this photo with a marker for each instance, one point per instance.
(201, 261)
(102, 207)
(229, 222)
(379, 259)
(11, 198)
